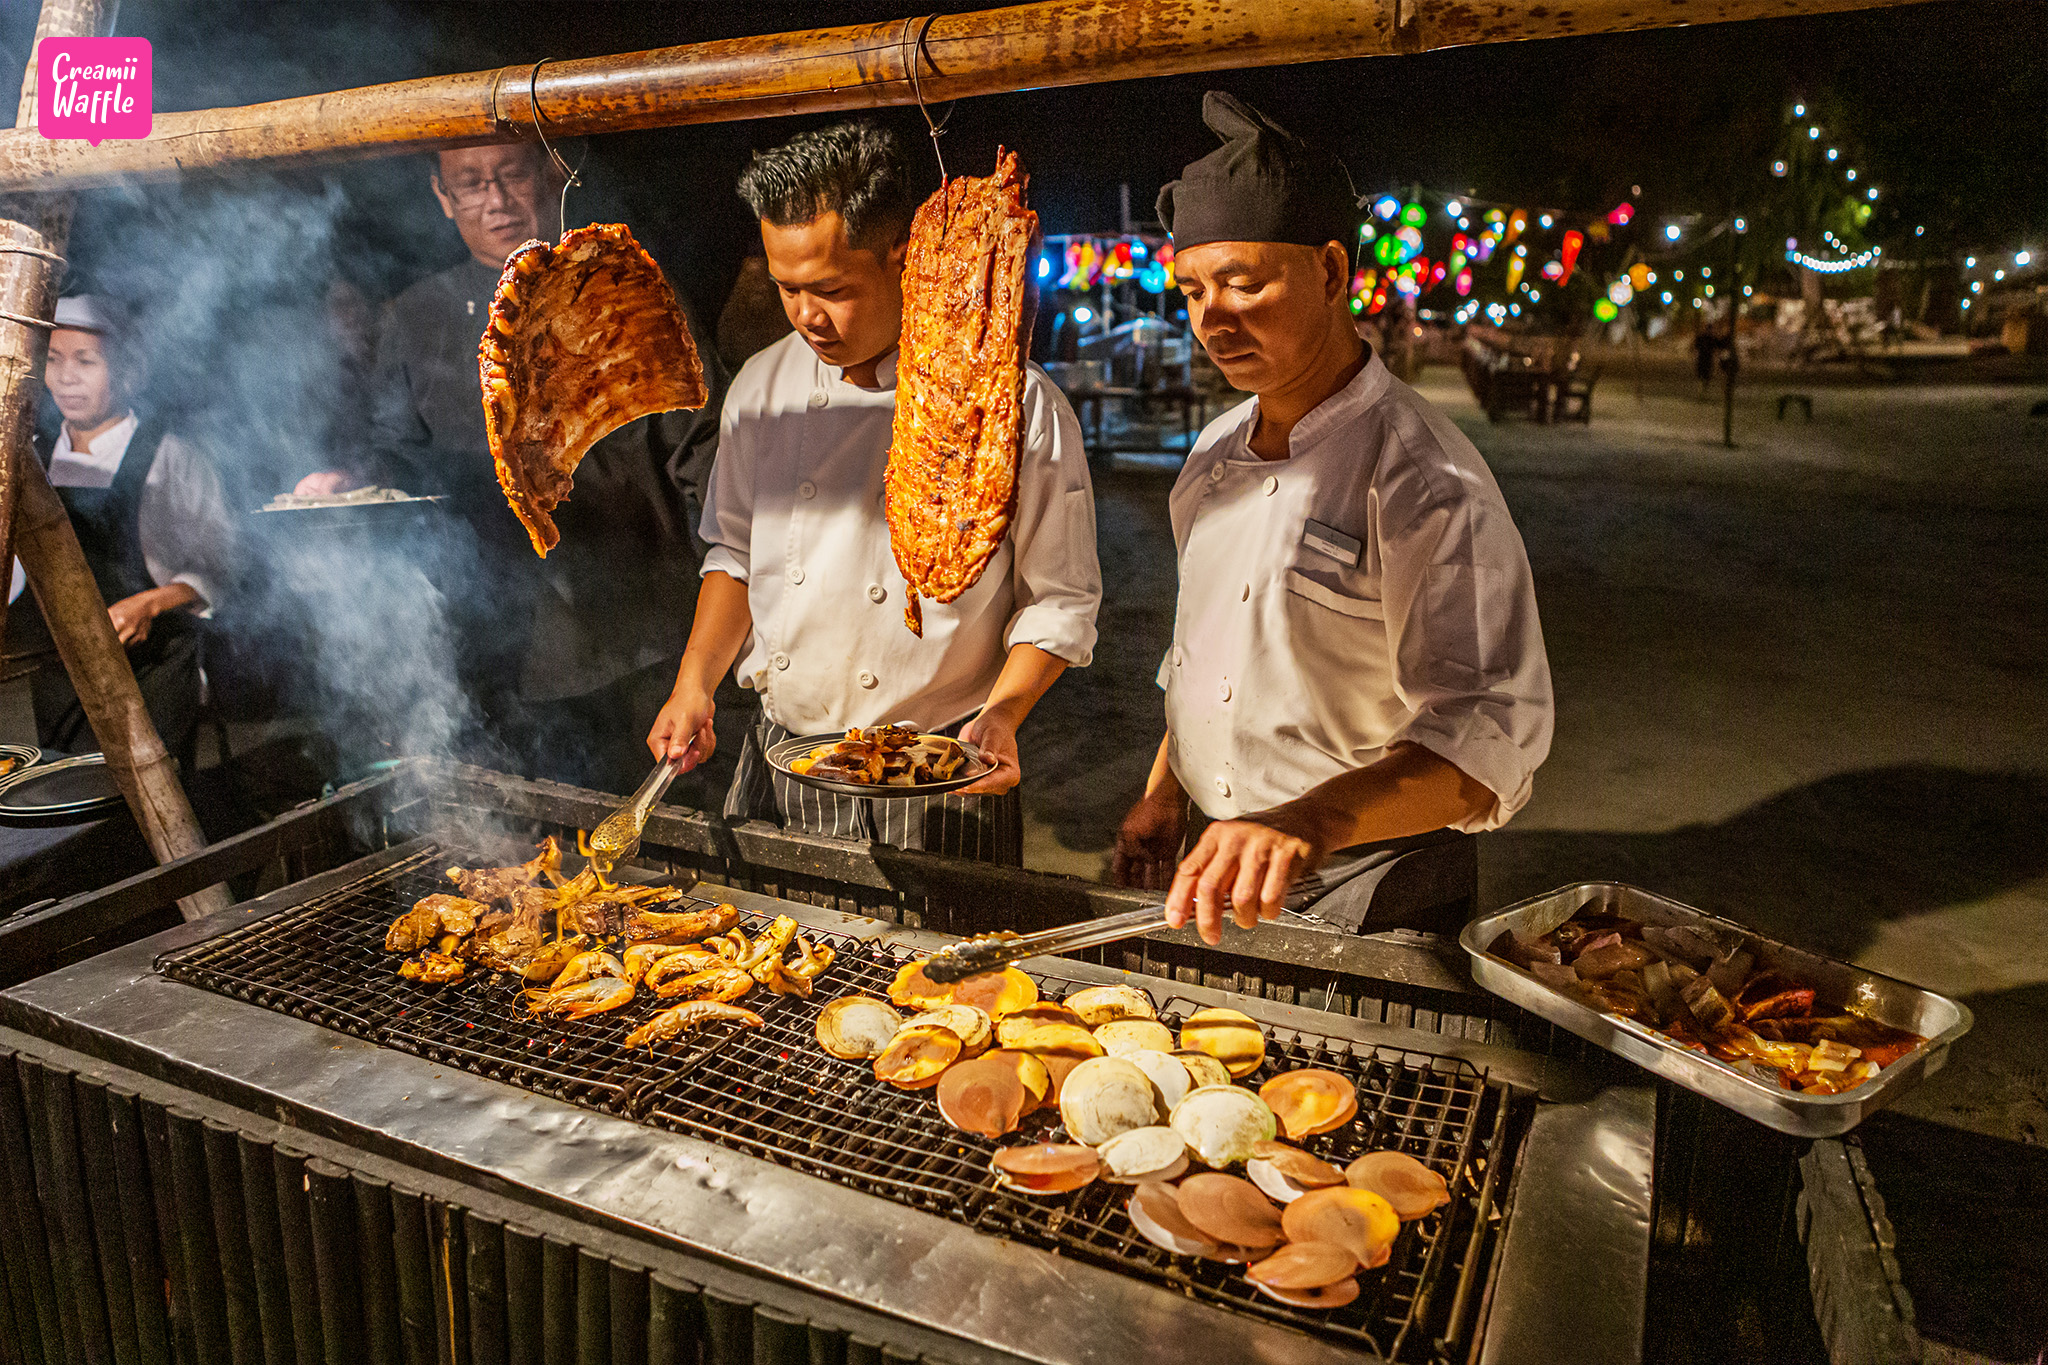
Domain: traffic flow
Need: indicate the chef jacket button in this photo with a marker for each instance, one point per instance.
(807, 489)
(1216, 473)
(1224, 691)
(780, 660)
(1272, 485)
(796, 575)
(1179, 656)
(818, 399)
(1222, 787)
(867, 679)
(877, 593)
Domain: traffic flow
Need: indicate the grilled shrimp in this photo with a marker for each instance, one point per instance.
(547, 962)
(642, 958)
(697, 1013)
(586, 966)
(594, 996)
(721, 983)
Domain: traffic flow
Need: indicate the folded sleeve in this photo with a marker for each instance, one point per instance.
(1056, 578)
(1463, 633)
(184, 526)
(728, 523)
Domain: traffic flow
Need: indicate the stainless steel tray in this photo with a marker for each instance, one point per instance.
(1887, 1000)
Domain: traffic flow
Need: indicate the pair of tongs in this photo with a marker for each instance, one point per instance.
(993, 952)
(616, 839)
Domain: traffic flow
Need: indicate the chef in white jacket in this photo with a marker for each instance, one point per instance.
(801, 594)
(1357, 667)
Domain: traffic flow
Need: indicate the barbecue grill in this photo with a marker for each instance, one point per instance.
(321, 1160)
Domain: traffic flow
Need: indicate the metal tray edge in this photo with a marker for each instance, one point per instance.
(1789, 1112)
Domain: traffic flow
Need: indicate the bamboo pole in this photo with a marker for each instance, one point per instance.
(1057, 42)
(41, 533)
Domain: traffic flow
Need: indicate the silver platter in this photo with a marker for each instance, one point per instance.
(25, 756)
(1888, 1000)
(781, 755)
(69, 786)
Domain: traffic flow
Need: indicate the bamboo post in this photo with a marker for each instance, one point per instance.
(33, 234)
(860, 66)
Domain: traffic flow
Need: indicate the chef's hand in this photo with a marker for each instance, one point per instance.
(131, 617)
(996, 737)
(1149, 839)
(682, 731)
(1243, 867)
(326, 483)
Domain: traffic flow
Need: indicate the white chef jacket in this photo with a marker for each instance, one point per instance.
(1369, 589)
(182, 521)
(794, 510)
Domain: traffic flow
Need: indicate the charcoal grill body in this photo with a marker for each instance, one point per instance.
(304, 1194)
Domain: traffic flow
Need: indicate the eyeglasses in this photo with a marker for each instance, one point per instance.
(513, 184)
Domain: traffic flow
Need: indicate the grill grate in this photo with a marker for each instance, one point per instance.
(773, 1093)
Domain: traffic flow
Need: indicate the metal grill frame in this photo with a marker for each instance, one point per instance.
(773, 1094)
(1577, 1234)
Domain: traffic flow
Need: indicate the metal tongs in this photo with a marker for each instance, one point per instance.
(992, 952)
(615, 840)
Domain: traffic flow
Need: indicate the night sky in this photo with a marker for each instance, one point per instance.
(1945, 104)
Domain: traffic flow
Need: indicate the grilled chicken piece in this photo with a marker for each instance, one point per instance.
(697, 1013)
(413, 930)
(723, 982)
(584, 998)
(432, 968)
(489, 884)
(458, 914)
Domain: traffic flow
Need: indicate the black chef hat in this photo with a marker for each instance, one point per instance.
(1263, 184)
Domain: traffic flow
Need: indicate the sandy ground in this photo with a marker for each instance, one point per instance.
(1800, 683)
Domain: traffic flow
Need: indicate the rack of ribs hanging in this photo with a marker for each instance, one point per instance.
(952, 479)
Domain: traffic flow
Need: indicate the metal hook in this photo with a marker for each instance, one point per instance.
(912, 50)
(571, 175)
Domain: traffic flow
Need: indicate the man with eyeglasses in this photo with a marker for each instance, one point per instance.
(557, 655)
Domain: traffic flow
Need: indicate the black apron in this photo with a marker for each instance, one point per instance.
(107, 522)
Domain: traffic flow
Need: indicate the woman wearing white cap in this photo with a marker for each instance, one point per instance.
(150, 515)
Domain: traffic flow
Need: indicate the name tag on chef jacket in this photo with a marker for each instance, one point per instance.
(1328, 540)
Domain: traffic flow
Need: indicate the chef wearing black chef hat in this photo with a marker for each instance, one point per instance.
(1357, 670)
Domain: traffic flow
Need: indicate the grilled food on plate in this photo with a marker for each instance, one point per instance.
(952, 479)
(584, 337)
(885, 756)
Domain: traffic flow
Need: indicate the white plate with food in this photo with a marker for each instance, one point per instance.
(880, 762)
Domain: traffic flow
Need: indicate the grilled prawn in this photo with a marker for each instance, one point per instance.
(697, 1013)
(721, 983)
(584, 998)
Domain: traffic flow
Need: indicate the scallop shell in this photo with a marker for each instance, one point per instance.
(1102, 1004)
(1105, 1096)
(1153, 1153)
(1221, 1124)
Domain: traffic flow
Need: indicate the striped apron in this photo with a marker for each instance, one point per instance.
(988, 829)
